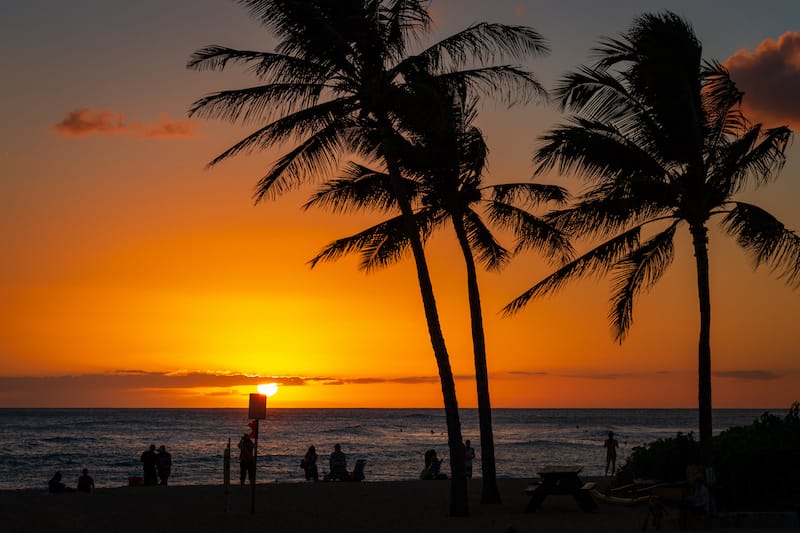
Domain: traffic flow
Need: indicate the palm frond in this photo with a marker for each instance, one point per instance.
(484, 43)
(313, 158)
(595, 262)
(490, 253)
(596, 151)
(529, 194)
(264, 65)
(767, 241)
(380, 245)
(257, 104)
(358, 188)
(508, 84)
(531, 232)
(637, 272)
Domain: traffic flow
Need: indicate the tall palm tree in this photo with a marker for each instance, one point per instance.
(335, 84)
(445, 165)
(660, 138)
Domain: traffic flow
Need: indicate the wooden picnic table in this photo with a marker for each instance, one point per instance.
(561, 480)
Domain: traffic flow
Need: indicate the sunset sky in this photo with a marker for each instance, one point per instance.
(132, 275)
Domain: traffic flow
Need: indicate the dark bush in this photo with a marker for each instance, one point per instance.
(755, 467)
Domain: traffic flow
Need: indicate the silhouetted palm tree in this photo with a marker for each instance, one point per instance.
(336, 84)
(444, 164)
(660, 139)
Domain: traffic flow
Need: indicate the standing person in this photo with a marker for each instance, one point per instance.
(247, 459)
(611, 446)
(85, 482)
(149, 460)
(338, 464)
(469, 455)
(163, 464)
(309, 464)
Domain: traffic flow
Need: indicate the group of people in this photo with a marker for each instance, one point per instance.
(85, 483)
(157, 466)
(433, 465)
(337, 464)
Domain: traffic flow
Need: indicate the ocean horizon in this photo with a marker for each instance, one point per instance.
(36, 442)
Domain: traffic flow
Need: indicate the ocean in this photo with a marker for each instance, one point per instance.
(34, 443)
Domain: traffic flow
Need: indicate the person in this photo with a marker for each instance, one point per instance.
(469, 455)
(309, 464)
(697, 504)
(433, 466)
(611, 446)
(163, 464)
(247, 459)
(85, 482)
(655, 512)
(338, 464)
(149, 460)
(55, 485)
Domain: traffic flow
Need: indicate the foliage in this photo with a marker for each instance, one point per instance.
(755, 466)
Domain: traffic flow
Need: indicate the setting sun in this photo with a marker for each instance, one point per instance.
(267, 389)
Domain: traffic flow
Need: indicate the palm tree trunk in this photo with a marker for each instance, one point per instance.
(459, 500)
(489, 492)
(700, 241)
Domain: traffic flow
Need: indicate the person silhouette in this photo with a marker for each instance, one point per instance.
(338, 464)
(469, 455)
(149, 461)
(85, 482)
(163, 464)
(309, 464)
(611, 446)
(247, 459)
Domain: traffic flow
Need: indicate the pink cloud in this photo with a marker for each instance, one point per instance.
(519, 11)
(770, 79)
(84, 122)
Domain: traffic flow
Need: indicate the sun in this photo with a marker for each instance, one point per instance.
(267, 389)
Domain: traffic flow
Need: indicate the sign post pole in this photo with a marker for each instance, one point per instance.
(258, 411)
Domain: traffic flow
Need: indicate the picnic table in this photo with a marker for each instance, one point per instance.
(561, 480)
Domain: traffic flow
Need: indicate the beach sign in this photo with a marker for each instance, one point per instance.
(258, 406)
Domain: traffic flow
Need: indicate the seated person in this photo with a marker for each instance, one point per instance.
(55, 485)
(85, 482)
(433, 466)
(338, 464)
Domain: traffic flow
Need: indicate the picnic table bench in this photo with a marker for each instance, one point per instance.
(561, 480)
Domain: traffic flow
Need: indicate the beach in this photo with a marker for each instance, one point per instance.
(397, 506)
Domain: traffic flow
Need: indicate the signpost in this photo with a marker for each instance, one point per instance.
(257, 411)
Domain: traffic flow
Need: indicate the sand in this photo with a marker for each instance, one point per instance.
(405, 506)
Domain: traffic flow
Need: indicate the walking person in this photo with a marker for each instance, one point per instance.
(163, 464)
(247, 459)
(149, 461)
(611, 446)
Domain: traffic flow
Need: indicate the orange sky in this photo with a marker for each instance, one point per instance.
(133, 276)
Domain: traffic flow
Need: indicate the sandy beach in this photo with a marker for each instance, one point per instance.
(407, 506)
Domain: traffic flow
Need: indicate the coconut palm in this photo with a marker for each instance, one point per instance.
(335, 84)
(660, 138)
(445, 165)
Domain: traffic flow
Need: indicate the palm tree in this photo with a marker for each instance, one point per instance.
(445, 165)
(660, 138)
(335, 84)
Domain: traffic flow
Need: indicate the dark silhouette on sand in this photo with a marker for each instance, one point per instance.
(149, 461)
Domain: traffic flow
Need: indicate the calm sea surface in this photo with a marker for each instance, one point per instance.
(34, 443)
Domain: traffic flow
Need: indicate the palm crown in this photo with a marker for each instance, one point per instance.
(660, 139)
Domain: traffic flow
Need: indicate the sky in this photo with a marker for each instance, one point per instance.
(134, 276)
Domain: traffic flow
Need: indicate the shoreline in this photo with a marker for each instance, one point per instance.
(380, 506)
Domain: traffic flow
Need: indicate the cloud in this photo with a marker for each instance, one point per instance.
(751, 375)
(770, 79)
(519, 11)
(84, 122)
